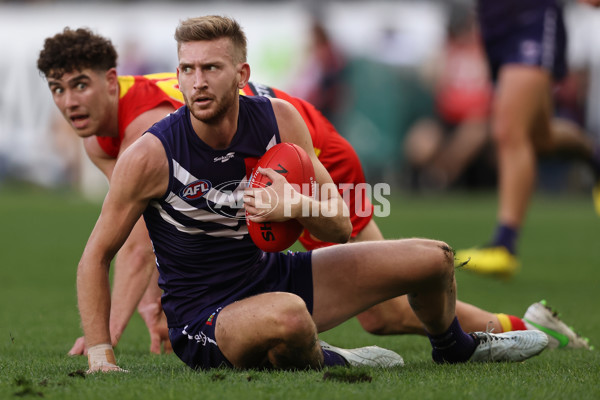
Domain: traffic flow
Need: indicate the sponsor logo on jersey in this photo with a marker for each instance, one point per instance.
(209, 321)
(200, 337)
(195, 189)
(262, 90)
(225, 158)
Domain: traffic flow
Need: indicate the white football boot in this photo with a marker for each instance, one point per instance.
(541, 317)
(370, 356)
(508, 346)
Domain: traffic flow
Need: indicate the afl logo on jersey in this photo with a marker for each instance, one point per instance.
(195, 189)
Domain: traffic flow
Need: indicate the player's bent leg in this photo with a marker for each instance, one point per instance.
(351, 278)
(395, 317)
(474, 319)
(392, 317)
(268, 330)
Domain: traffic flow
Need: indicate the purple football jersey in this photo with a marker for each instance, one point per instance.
(198, 229)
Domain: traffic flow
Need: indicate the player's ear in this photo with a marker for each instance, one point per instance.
(112, 79)
(244, 71)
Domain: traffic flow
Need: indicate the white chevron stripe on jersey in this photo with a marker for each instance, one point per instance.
(272, 142)
(233, 234)
(233, 199)
(197, 214)
(182, 174)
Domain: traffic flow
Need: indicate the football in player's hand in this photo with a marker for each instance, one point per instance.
(291, 161)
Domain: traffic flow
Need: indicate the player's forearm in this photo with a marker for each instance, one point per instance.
(130, 282)
(326, 219)
(93, 296)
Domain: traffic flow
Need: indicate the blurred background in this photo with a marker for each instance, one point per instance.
(387, 74)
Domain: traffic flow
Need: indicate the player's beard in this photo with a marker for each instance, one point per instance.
(223, 105)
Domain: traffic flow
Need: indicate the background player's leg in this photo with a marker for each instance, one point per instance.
(521, 117)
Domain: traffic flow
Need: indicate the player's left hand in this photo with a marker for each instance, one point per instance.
(156, 322)
(274, 202)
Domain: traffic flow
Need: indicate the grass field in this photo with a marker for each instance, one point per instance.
(43, 233)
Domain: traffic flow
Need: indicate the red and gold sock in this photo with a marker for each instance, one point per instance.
(511, 323)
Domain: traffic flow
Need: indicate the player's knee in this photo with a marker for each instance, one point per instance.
(506, 134)
(441, 259)
(293, 319)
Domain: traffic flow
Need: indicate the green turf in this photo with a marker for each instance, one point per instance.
(42, 234)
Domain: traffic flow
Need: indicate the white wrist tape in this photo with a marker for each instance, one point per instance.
(101, 355)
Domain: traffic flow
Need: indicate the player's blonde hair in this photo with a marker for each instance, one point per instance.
(211, 27)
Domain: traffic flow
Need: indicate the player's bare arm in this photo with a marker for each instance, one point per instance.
(132, 273)
(336, 228)
(133, 285)
(140, 174)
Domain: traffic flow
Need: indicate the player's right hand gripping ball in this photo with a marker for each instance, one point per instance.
(291, 161)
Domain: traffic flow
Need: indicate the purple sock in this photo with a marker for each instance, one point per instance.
(331, 359)
(452, 346)
(506, 236)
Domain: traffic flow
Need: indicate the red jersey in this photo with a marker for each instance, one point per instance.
(138, 94)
